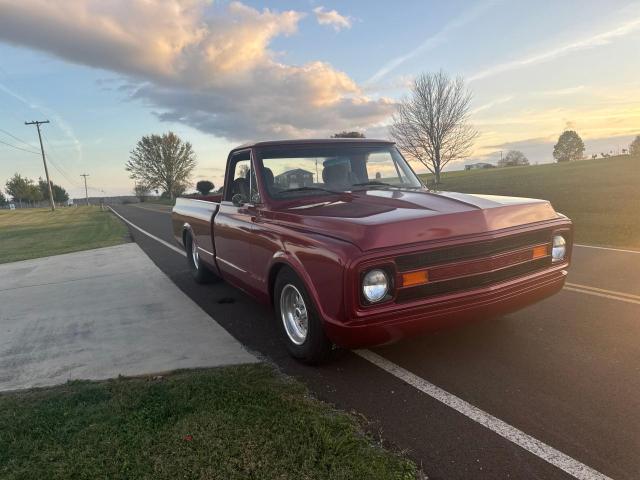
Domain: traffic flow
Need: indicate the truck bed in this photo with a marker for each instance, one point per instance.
(196, 213)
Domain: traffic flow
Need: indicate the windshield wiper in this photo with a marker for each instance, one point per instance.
(307, 189)
(375, 183)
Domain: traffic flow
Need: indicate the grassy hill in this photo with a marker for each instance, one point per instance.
(601, 196)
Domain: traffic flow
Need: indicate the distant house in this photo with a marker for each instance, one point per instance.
(479, 165)
(295, 178)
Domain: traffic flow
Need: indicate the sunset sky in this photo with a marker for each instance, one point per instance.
(221, 73)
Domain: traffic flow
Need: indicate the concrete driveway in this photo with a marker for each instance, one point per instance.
(99, 314)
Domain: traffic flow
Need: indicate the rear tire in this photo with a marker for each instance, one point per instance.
(199, 271)
(299, 324)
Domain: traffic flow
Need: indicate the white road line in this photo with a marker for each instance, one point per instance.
(603, 295)
(541, 450)
(166, 244)
(602, 290)
(607, 248)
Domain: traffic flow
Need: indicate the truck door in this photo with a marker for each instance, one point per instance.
(233, 225)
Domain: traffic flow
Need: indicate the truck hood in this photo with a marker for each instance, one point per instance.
(375, 219)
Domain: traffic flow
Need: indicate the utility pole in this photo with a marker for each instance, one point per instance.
(44, 160)
(86, 195)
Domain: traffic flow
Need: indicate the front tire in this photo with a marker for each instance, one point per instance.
(298, 321)
(199, 271)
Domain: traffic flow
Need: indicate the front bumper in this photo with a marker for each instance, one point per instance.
(446, 311)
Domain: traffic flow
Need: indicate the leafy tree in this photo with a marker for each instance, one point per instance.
(162, 161)
(204, 186)
(513, 158)
(569, 147)
(34, 193)
(346, 134)
(634, 148)
(3, 199)
(431, 125)
(60, 195)
(21, 188)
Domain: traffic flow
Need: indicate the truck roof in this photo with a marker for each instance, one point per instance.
(312, 141)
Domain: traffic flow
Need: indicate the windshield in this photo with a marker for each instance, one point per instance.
(321, 170)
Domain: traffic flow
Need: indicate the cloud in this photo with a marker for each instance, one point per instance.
(563, 91)
(491, 104)
(602, 38)
(430, 43)
(332, 18)
(207, 67)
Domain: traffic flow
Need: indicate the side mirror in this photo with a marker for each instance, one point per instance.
(237, 200)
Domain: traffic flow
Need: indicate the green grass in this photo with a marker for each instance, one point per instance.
(227, 423)
(31, 233)
(601, 196)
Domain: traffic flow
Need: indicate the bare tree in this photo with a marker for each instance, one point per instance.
(162, 161)
(431, 125)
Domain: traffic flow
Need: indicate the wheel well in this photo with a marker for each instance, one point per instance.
(185, 231)
(273, 274)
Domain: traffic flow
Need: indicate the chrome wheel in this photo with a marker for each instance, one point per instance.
(294, 314)
(194, 253)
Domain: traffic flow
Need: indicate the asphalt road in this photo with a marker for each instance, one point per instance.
(551, 389)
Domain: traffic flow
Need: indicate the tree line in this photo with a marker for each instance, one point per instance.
(25, 190)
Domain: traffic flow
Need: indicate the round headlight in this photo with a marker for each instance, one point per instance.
(375, 285)
(559, 251)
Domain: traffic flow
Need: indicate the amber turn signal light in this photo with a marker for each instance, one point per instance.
(415, 278)
(539, 252)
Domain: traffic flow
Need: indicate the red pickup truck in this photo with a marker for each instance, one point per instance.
(351, 249)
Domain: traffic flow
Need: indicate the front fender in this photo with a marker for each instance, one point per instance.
(321, 265)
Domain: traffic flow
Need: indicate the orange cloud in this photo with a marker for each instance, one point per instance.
(214, 71)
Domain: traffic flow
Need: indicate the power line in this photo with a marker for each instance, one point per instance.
(19, 148)
(16, 138)
(61, 172)
(59, 167)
